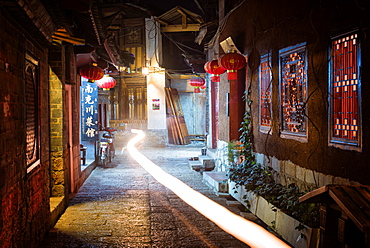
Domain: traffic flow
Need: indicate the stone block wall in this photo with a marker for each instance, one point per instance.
(24, 196)
(155, 137)
(56, 123)
(286, 172)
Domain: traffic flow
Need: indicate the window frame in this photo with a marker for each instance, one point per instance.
(264, 58)
(31, 62)
(345, 144)
(302, 137)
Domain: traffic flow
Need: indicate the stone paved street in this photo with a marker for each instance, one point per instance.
(123, 206)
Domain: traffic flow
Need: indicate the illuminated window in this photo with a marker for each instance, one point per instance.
(344, 90)
(293, 90)
(265, 93)
(32, 114)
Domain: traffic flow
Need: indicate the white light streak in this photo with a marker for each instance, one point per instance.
(242, 229)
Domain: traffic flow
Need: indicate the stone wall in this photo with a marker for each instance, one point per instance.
(155, 137)
(286, 172)
(56, 122)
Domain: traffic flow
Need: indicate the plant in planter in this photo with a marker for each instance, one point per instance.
(253, 177)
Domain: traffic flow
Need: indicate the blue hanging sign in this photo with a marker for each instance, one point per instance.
(89, 111)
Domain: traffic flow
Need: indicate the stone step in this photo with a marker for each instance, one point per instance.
(248, 216)
(217, 181)
(234, 203)
(195, 165)
(223, 195)
(207, 161)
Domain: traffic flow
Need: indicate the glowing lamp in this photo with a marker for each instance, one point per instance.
(232, 62)
(145, 70)
(91, 72)
(197, 82)
(212, 67)
(106, 82)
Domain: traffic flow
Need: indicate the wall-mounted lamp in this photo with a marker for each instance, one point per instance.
(145, 70)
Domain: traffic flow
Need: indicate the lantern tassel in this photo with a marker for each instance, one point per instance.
(215, 79)
(232, 75)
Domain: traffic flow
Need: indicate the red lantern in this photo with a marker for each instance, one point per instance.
(197, 82)
(91, 72)
(106, 82)
(212, 67)
(232, 62)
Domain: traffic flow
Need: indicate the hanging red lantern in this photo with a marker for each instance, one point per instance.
(232, 62)
(106, 82)
(197, 82)
(91, 72)
(212, 67)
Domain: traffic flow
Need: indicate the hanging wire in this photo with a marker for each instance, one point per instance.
(221, 27)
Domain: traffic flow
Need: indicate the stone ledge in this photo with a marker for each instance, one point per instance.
(195, 165)
(217, 181)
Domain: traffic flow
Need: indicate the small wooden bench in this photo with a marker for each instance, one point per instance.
(83, 153)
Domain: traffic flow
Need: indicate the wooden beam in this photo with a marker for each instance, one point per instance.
(161, 21)
(184, 23)
(179, 28)
(62, 35)
(184, 18)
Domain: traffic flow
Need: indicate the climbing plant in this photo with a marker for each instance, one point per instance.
(251, 175)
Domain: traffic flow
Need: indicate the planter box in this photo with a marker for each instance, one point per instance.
(282, 223)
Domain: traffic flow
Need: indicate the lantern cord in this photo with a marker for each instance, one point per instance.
(180, 44)
(185, 53)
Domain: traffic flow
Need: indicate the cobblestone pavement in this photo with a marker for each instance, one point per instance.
(123, 206)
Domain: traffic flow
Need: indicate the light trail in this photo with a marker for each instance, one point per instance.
(242, 229)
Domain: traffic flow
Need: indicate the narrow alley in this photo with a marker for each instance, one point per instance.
(123, 206)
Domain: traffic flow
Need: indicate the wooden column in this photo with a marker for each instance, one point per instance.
(214, 113)
(236, 105)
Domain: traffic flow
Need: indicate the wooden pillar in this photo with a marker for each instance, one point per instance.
(214, 113)
(236, 105)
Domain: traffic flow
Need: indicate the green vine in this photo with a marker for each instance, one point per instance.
(260, 180)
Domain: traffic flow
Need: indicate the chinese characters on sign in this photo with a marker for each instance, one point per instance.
(89, 111)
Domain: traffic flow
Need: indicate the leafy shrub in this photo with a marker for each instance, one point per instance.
(260, 181)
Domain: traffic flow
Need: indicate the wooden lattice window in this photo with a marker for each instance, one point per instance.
(293, 90)
(344, 90)
(32, 114)
(133, 32)
(133, 36)
(265, 93)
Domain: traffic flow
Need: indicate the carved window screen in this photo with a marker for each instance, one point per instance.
(265, 90)
(32, 114)
(133, 32)
(133, 36)
(293, 90)
(344, 89)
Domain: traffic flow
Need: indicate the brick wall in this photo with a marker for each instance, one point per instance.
(24, 197)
